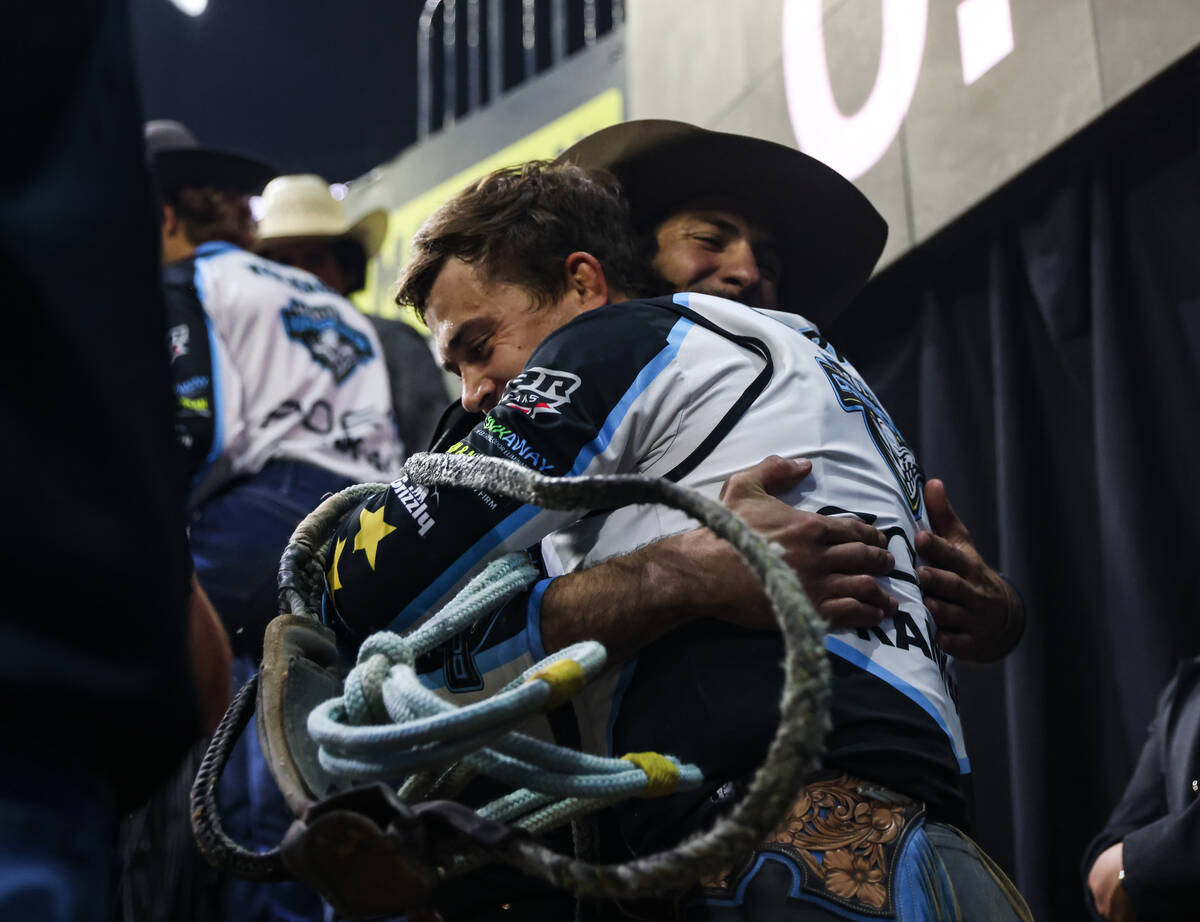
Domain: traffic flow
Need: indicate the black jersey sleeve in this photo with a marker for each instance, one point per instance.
(192, 370)
(576, 408)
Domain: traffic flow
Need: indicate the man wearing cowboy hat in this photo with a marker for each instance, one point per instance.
(766, 225)
(769, 226)
(281, 397)
(303, 225)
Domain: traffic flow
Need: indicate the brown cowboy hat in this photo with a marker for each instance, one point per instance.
(178, 161)
(829, 236)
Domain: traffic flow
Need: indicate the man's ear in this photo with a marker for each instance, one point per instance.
(585, 280)
(170, 220)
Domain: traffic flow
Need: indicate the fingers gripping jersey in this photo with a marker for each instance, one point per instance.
(695, 389)
(269, 363)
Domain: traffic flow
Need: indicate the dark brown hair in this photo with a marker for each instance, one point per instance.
(209, 213)
(520, 223)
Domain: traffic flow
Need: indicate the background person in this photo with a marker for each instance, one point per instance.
(281, 392)
(1143, 865)
(281, 398)
(303, 225)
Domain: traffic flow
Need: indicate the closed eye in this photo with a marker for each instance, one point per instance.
(711, 241)
(478, 350)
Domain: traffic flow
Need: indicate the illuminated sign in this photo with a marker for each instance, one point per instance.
(852, 144)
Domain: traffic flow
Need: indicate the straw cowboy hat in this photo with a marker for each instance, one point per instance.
(301, 207)
(828, 235)
(177, 161)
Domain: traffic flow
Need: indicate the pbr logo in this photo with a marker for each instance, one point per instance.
(540, 393)
(331, 341)
(856, 397)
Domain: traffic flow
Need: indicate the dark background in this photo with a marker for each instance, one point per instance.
(324, 86)
(306, 85)
(1042, 355)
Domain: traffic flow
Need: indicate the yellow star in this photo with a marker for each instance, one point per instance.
(371, 530)
(335, 581)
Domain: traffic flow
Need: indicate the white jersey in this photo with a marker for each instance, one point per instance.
(269, 363)
(815, 406)
(692, 389)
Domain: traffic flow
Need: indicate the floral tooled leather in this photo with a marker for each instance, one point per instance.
(844, 840)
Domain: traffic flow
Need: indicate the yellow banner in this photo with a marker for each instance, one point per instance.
(546, 143)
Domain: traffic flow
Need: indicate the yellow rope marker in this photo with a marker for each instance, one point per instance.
(662, 775)
(565, 679)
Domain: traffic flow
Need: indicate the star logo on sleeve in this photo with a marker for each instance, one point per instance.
(371, 530)
(335, 580)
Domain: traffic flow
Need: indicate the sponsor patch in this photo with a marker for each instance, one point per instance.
(178, 338)
(417, 500)
(514, 446)
(332, 342)
(856, 397)
(198, 405)
(540, 393)
(191, 385)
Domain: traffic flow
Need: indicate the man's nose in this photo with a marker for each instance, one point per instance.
(739, 267)
(479, 393)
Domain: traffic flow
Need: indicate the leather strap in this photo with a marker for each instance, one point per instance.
(301, 668)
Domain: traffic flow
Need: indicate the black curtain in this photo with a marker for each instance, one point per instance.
(1043, 355)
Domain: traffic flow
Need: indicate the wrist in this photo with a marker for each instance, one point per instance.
(1014, 616)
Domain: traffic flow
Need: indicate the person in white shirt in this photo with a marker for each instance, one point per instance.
(281, 397)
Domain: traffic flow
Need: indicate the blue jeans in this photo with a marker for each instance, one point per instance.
(940, 876)
(256, 816)
(58, 839)
(237, 538)
(982, 890)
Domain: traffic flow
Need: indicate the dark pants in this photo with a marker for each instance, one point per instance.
(58, 840)
(237, 538)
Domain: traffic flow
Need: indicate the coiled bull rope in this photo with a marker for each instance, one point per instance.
(384, 685)
(389, 725)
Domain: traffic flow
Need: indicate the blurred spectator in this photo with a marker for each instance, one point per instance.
(1145, 864)
(94, 659)
(280, 394)
(304, 226)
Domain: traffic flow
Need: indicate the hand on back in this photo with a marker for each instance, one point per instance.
(837, 558)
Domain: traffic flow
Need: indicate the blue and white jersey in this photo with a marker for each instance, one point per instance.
(269, 363)
(694, 389)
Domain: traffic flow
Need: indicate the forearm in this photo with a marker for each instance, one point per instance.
(629, 601)
(1162, 875)
(211, 657)
(1014, 624)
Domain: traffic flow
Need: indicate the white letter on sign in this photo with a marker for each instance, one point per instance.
(985, 36)
(850, 144)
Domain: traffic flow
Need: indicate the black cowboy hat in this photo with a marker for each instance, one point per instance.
(829, 236)
(177, 161)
